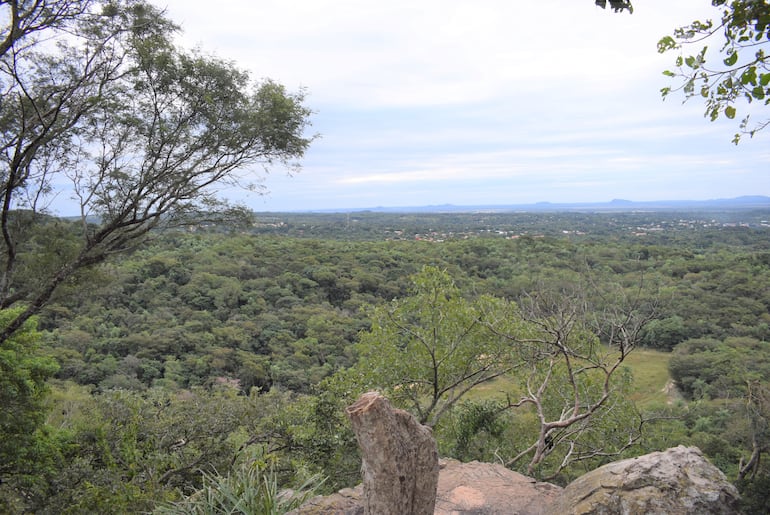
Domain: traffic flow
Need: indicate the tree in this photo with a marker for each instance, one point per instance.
(141, 132)
(430, 349)
(123, 452)
(570, 375)
(742, 72)
(665, 333)
(27, 17)
(616, 5)
(757, 400)
(23, 375)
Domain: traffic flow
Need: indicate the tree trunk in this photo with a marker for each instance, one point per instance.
(399, 458)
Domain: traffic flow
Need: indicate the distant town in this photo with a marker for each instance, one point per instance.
(571, 223)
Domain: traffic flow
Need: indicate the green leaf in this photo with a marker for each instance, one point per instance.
(666, 43)
(749, 76)
(731, 59)
(764, 79)
(669, 73)
(758, 92)
(730, 112)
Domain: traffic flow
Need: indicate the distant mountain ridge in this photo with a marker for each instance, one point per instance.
(743, 202)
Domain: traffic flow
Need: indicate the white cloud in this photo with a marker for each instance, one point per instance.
(439, 100)
(434, 51)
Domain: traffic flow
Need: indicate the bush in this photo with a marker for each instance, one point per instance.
(251, 488)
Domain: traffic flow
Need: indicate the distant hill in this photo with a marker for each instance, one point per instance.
(744, 202)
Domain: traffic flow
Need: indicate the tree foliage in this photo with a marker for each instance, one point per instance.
(616, 5)
(219, 337)
(139, 132)
(27, 17)
(429, 349)
(741, 72)
(24, 371)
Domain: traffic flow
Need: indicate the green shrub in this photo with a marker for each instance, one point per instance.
(251, 488)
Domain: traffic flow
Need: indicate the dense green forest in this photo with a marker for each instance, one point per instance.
(207, 352)
(210, 349)
(168, 352)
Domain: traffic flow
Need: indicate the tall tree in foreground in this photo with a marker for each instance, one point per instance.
(137, 132)
(26, 17)
(426, 352)
(741, 73)
(29, 449)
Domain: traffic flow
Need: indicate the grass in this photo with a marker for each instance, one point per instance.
(495, 389)
(649, 369)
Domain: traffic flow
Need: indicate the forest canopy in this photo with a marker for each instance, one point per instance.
(263, 334)
(164, 349)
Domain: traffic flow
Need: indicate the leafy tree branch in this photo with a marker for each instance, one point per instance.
(743, 75)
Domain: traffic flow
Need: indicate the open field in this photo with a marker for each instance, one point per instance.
(649, 369)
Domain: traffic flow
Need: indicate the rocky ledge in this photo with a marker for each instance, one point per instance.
(679, 480)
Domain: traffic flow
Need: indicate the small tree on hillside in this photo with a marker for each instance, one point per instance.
(571, 376)
(428, 350)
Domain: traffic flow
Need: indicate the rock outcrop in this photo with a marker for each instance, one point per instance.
(463, 488)
(403, 476)
(348, 501)
(680, 480)
(490, 489)
(399, 458)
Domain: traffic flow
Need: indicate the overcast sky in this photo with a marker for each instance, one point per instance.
(429, 102)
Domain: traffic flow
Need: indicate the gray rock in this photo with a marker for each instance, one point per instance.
(680, 480)
(348, 501)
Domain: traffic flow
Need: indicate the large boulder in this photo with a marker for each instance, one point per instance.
(679, 480)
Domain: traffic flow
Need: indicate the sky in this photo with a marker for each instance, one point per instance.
(432, 102)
